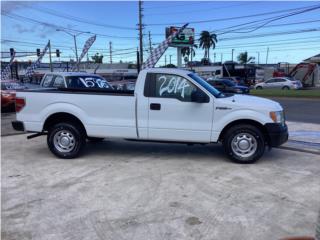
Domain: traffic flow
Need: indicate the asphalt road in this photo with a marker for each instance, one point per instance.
(301, 110)
(119, 190)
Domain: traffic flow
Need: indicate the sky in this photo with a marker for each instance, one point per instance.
(290, 34)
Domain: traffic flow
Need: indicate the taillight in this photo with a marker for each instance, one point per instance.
(20, 103)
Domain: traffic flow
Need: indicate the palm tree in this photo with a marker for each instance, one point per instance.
(189, 51)
(97, 58)
(207, 40)
(244, 59)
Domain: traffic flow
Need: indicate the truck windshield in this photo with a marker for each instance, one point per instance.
(206, 85)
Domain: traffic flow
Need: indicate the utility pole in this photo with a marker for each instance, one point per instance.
(221, 55)
(165, 60)
(138, 61)
(267, 55)
(258, 58)
(50, 60)
(170, 59)
(140, 32)
(150, 44)
(214, 57)
(232, 55)
(75, 46)
(110, 51)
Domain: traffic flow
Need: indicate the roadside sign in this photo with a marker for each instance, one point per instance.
(184, 39)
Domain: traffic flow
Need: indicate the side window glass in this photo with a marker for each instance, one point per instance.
(281, 80)
(173, 86)
(270, 81)
(47, 81)
(58, 82)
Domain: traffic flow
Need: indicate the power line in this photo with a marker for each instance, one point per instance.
(203, 10)
(21, 18)
(280, 42)
(270, 20)
(266, 44)
(231, 18)
(271, 34)
(77, 19)
(179, 5)
(270, 26)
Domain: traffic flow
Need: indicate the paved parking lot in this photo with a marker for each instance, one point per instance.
(128, 190)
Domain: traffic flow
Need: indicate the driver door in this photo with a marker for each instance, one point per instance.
(173, 116)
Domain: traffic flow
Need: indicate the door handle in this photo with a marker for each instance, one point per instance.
(155, 106)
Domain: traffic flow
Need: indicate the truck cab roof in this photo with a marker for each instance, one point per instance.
(167, 71)
(70, 74)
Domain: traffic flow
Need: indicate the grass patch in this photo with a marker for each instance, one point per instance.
(312, 93)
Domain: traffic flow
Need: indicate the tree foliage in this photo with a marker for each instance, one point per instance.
(244, 59)
(207, 40)
(97, 58)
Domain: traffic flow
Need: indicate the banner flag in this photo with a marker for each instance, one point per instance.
(36, 64)
(158, 52)
(85, 49)
(7, 70)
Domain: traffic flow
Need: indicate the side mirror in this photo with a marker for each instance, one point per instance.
(199, 97)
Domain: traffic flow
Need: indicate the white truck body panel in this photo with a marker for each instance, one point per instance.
(123, 116)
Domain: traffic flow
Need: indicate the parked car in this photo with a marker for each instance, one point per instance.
(167, 105)
(283, 83)
(236, 80)
(77, 80)
(8, 94)
(227, 86)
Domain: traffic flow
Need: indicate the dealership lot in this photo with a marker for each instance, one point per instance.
(130, 190)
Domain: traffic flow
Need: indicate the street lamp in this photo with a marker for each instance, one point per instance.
(75, 42)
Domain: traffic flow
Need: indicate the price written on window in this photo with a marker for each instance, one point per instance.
(173, 85)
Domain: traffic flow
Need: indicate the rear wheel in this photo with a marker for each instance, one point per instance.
(259, 88)
(66, 140)
(285, 88)
(244, 143)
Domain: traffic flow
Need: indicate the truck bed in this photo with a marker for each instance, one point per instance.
(81, 91)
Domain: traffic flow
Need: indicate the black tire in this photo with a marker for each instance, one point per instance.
(259, 88)
(244, 130)
(95, 139)
(285, 88)
(78, 139)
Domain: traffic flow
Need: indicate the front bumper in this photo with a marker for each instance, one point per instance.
(277, 133)
(18, 125)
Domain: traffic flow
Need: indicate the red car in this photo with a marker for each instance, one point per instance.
(8, 95)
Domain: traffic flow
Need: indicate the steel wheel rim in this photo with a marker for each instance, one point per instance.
(244, 145)
(64, 141)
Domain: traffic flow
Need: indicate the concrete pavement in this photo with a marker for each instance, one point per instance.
(129, 190)
(303, 137)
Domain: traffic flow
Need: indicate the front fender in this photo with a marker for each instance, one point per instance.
(221, 120)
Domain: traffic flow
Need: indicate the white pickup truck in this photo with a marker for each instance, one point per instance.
(167, 105)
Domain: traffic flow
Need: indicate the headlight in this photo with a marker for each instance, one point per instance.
(277, 117)
(238, 90)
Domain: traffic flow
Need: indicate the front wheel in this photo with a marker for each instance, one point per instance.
(285, 88)
(259, 88)
(66, 140)
(244, 143)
